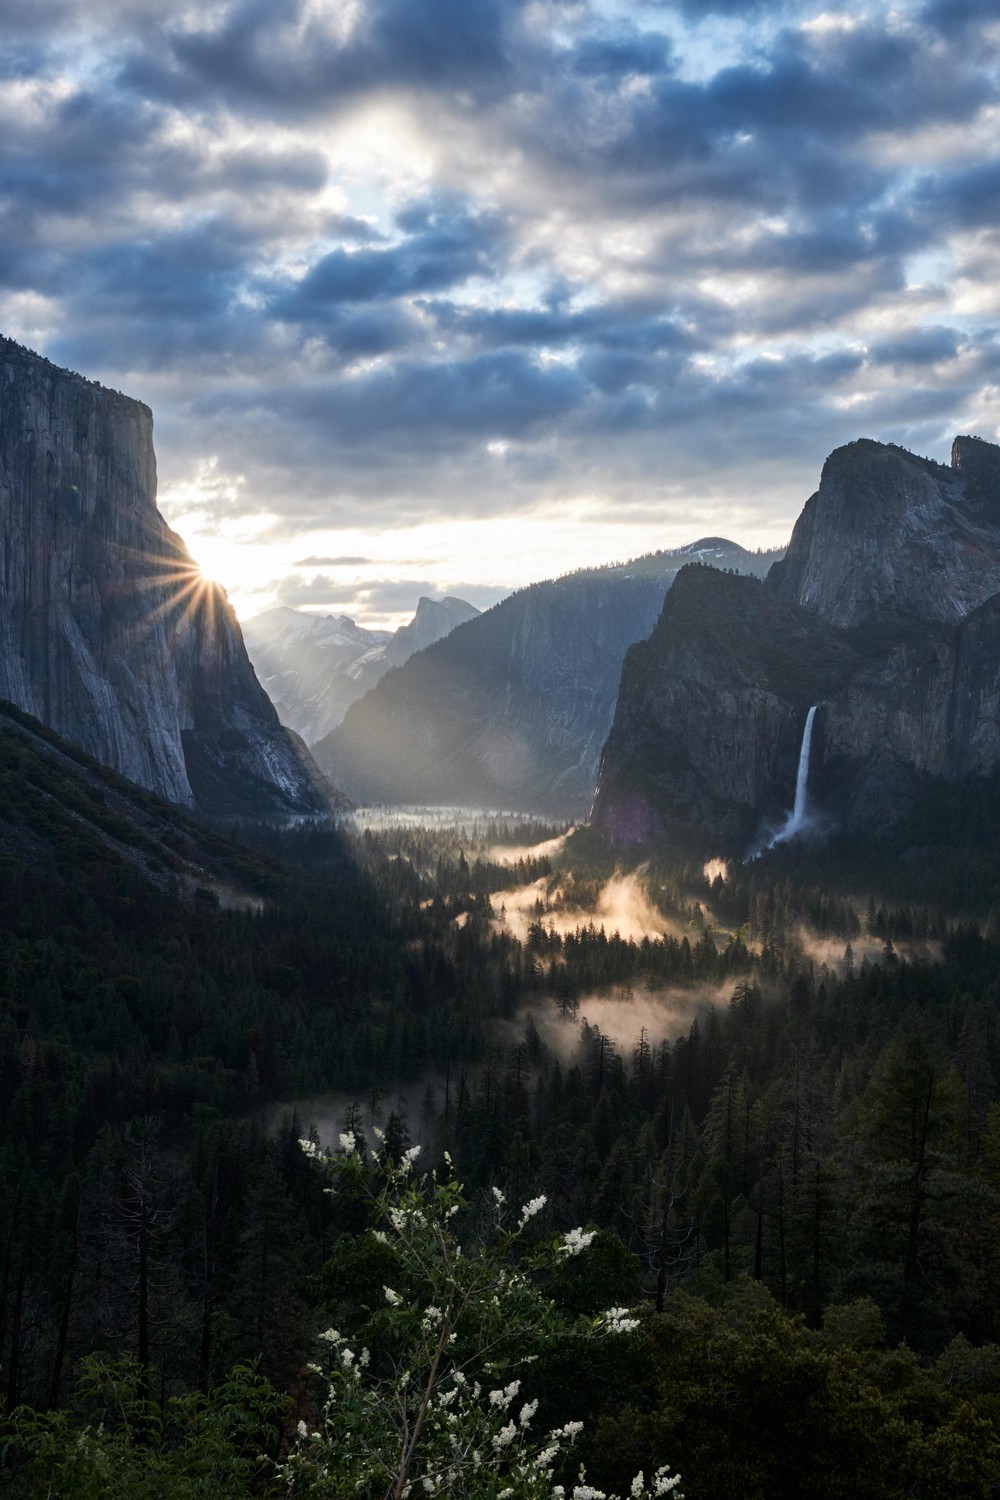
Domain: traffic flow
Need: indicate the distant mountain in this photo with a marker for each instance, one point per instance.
(885, 612)
(108, 632)
(512, 708)
(315, 666)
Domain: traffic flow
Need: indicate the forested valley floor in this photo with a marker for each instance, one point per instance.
(779, 1115)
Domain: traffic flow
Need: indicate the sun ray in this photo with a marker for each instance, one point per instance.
(186, 595)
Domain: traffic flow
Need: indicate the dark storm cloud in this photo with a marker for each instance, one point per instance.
(621, 54)
(969, 198)
(929, 346)
(955, 18)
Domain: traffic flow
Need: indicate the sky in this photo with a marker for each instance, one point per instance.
(445, 296)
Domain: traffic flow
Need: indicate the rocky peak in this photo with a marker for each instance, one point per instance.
(433, 620)
(884, 614)
(891, 534)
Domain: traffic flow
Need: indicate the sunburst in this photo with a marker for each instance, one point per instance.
(187, 596)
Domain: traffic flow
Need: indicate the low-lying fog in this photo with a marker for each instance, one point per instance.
(622, 905)
(623, 1014)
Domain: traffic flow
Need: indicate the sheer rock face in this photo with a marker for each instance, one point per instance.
(890, 533)
(885, 612)
(711, 710)
(107, 632)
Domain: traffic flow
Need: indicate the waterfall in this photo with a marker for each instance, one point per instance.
(798, 818)
(802, 779)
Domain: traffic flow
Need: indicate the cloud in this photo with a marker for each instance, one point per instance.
(410, 258)
(299, 58)
(445, 245)
(378, 597)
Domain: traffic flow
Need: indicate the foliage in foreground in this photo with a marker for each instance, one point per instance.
(426, 1398)
(124, 1447)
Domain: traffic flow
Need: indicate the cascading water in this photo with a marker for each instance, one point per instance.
(798, 818)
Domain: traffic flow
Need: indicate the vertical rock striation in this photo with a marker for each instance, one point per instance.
(108, 633)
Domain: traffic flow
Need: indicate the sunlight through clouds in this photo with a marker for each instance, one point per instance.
(424, 271)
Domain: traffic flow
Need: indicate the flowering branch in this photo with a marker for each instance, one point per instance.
(453, 1433)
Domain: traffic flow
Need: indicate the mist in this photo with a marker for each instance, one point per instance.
(830, 951)
(621, 1014)
(622, 905)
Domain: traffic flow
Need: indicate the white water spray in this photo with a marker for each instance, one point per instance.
(798, 818)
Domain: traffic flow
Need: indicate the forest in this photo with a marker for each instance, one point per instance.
(774, 1123)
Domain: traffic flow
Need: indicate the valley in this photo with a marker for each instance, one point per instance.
(644, 926)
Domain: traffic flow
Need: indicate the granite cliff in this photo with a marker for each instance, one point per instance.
(888, 533)
(885, 612)
(511, 709)
(108, 633)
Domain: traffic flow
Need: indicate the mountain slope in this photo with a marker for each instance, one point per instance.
(314, 667)
(108, 632)
(59, 806)
(512, 708)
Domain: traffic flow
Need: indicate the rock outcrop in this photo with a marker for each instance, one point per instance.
(512, 708)
(108, 632)
(885, 612)
(888, 533)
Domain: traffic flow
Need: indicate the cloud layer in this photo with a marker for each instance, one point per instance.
(385, 264)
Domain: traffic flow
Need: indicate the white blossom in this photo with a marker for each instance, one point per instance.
(616, 1320)
(393, 1298)
(504, 1397)
(302, 1429)
(527, 1412)
(348, 1143)
(531, 1209)
(309, 1147)
(576, 1240)
(505, 1436)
